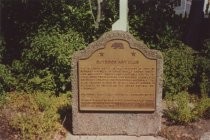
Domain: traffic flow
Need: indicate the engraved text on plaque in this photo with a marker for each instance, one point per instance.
(117, 78)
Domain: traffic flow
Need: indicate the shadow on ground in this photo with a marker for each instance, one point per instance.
(66, 117)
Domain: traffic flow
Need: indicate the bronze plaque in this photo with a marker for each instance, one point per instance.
(117, 78)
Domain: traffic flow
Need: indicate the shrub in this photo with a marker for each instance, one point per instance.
(206, 49)
(2, 48)
(179, 69)
(179, 109)
(46, 65)
(182, 109)
(7, 81)
(159, 26)
(204, 85)
(203, 69)
(2, 99)
(36, 115)
(203, 105)
(42, 81)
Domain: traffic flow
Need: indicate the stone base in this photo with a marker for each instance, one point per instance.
(115, 137)
(133, 124)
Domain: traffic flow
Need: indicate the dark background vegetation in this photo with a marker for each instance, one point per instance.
(39, 37)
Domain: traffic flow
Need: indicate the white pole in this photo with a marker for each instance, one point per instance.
(205, 5)
(122, 23)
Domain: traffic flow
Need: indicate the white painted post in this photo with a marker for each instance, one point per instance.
(122, 23)
(205, 6)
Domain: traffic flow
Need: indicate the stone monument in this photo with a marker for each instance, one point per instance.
(117, 87)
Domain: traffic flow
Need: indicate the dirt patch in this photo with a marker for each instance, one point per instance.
(192, 131)
(6, 132)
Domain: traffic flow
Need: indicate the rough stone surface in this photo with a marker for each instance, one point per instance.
(116, 137)
(116, 123)
(206, 136)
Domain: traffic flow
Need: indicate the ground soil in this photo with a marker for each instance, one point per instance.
(192, 131)
(7, 132)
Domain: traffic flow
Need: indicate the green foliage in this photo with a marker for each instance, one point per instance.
(45, 41)
(75, 14)
(41, 41)
(36, 115)
(168, 38)
(206, 49)
(42, 81)
(46, 65)
(156, 23)
(203, 105)
(3, 99)
(179, 108)
(2, 48)
(7, 81)
(83, 18)
(204, 85)
(182, 109)
(203, 69)
(178, 69)
(44, 104)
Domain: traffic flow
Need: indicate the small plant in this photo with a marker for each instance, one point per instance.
(183, 108)
(204, 85)
(202, 106)
(179, 108)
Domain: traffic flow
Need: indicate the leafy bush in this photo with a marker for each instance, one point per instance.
(179, 69)
(46, 65)
(43, 81)
(179, 109)
(203, 70)
(2, 48)
(36, 115)
(207, 48)
(204, 85)
(203, 105)
(182, 109)
(7, 81)
(2, 99)
(159, 26)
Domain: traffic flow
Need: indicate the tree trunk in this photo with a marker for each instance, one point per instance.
(194, 33)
